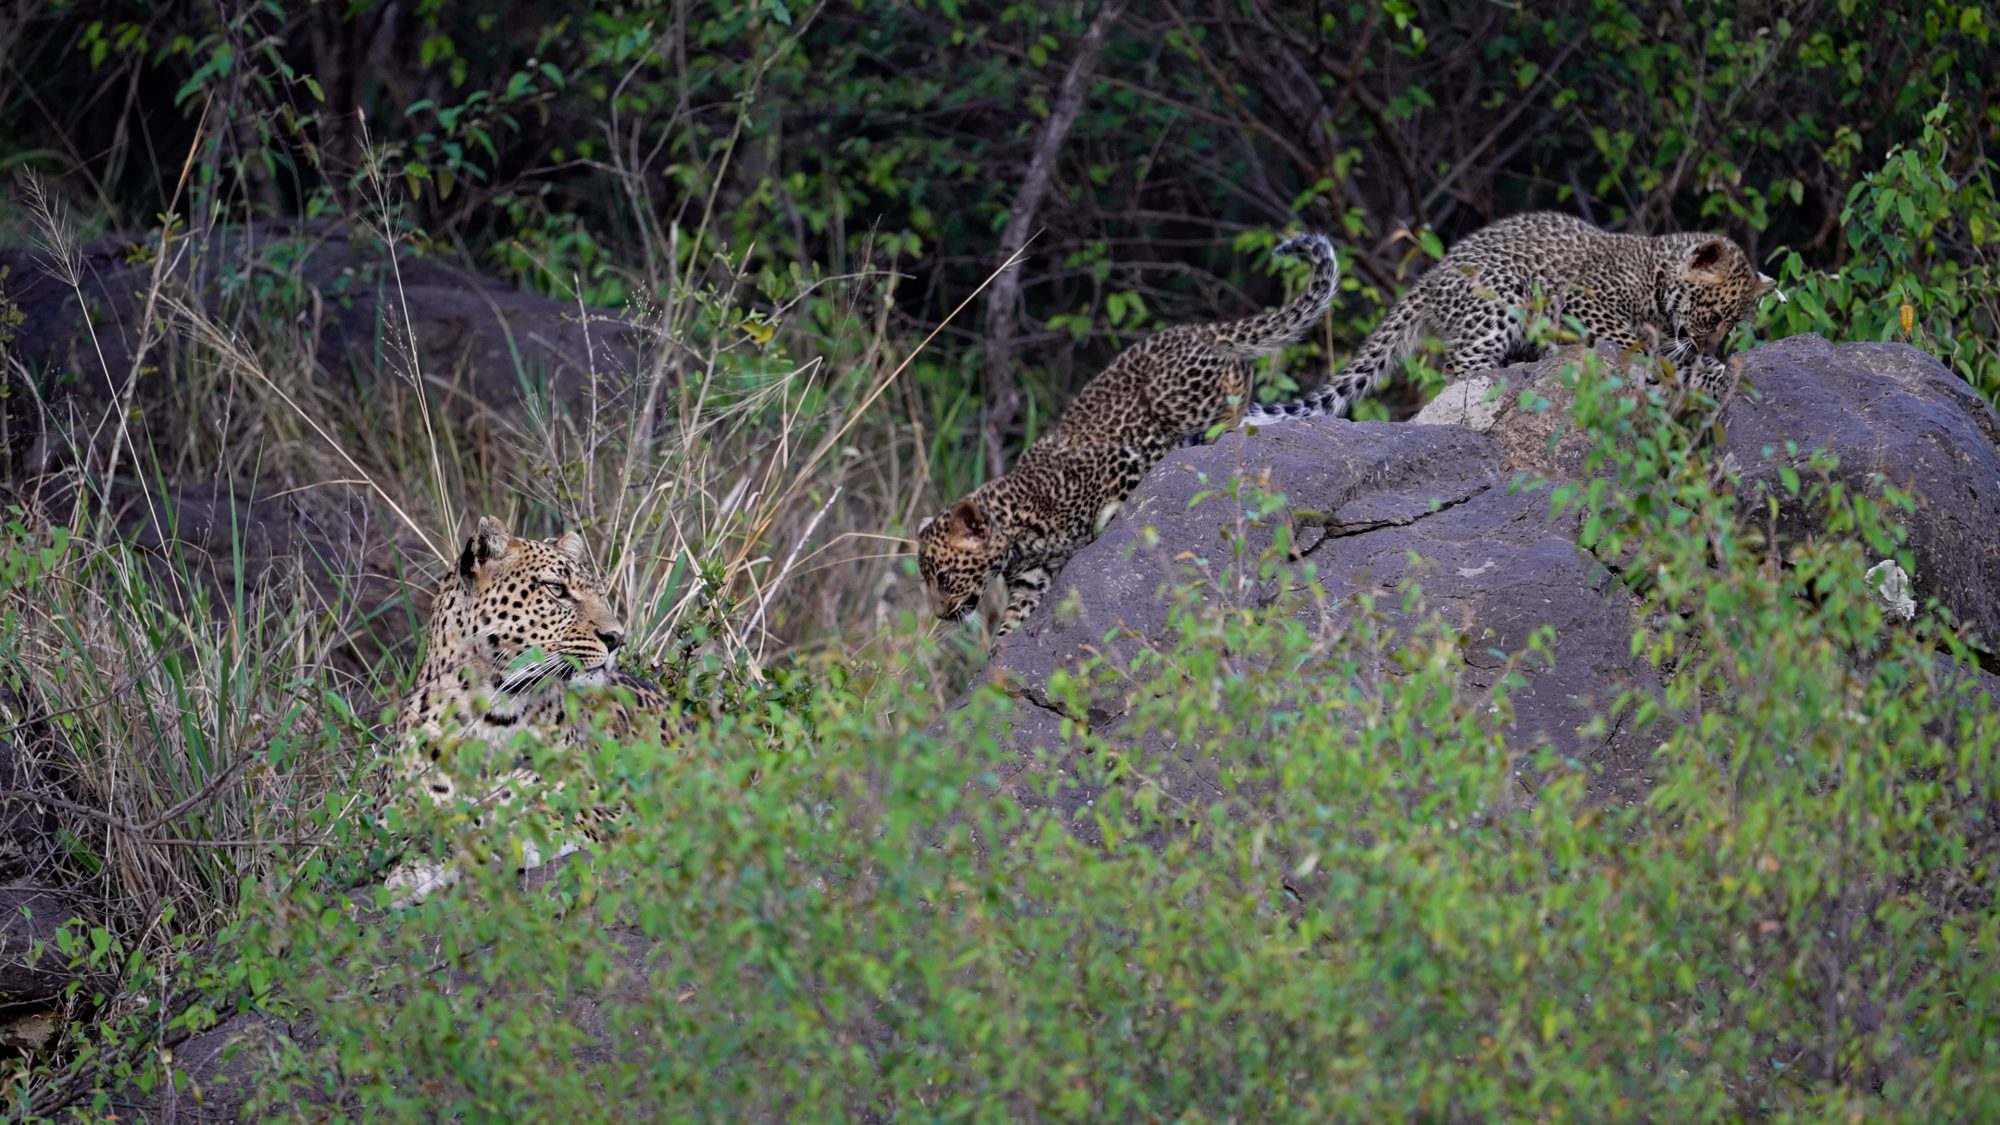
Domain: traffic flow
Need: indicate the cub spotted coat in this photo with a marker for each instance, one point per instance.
(1675, 295)
(1155, 395)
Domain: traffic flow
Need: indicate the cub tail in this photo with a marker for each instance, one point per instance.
(1397, 336)
(1265, 333)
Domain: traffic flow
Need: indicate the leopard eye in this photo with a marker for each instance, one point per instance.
(558, 588)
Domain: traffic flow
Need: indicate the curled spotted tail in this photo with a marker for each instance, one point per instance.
(1394, 338)
(1265, 333)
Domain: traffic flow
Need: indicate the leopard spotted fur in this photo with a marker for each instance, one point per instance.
(1676, 296)
(1155, 395)
(517, 625)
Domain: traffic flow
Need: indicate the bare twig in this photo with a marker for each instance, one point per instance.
(135, 828)
(200, 796)
(757, 619)
(1003, 390)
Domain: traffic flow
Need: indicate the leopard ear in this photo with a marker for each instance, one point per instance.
(571, 545)
(1707, 257)
(1765, 283)
(488, 544)
(924, 523)
(967, 520)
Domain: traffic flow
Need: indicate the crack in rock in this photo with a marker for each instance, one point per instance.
(1335, 530)
(1034, 696)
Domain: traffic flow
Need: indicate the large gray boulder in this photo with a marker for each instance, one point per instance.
(357, 315)
(1891, 414)
(362, 324)
(1376, 492)
(1441, 489)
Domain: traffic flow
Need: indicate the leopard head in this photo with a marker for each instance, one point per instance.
(957, 552)
(531, 612)
(1713, 289)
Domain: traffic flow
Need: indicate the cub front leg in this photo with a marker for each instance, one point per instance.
(1707, 384)
(1713, 377)
(1024, 593)
(1641, 342)
(1628, 338)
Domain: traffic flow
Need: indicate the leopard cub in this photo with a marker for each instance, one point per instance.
(1156, 395)
(1677, 296)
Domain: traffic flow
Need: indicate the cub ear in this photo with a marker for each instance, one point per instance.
(1765, 283)
(571, 545)
(924, 523)
(488, 544)
(967, 520)
(1707, 257)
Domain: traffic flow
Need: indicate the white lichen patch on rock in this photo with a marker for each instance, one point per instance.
(1470, 403)
(1891, 586)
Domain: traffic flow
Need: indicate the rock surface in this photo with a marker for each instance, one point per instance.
(1489, 556)
(478, 342)
(32, 908)
(31, 970)
(1889, 412)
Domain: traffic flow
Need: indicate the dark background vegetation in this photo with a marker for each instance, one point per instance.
(552, 143)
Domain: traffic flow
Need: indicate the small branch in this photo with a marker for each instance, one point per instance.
(202, 795)
(99, 815)
(1003, 390)
(132, 828)
(1505, 126)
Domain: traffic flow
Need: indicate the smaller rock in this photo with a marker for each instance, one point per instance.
(1471, 403)
(30, 1033)
(1891, 414)
(1526, 409)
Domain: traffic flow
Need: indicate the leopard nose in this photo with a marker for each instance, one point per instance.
(612, 638)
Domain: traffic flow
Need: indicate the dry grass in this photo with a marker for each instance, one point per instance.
(219, 712)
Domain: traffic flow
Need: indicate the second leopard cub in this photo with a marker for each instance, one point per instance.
(1677, 296)
(1160, 391)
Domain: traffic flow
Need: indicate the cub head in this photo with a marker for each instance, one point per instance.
(1717, 287)
(957, 552)
(533, 610)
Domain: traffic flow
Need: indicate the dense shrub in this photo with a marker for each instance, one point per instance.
(613, 152)
(833, 915)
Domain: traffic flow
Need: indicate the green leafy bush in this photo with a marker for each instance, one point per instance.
(1923, 231)
(828, 912)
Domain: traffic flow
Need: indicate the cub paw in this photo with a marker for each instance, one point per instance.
(413, 882)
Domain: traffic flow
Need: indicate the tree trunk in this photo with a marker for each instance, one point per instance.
(1003, 302)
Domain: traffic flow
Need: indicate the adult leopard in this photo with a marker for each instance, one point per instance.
(518, 632)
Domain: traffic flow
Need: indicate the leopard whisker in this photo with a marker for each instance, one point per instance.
(531, 678)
